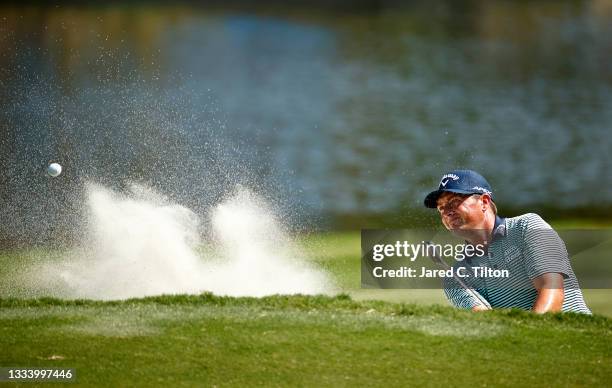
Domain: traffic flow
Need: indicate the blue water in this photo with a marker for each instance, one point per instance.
(324, 112)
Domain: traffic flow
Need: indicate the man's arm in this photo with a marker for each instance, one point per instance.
(462, 298)
(547, 263)
(550, 293)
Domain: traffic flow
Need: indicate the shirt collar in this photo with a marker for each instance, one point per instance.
(499, 228)
(499, 231)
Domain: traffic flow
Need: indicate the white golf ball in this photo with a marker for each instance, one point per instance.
(54, 169)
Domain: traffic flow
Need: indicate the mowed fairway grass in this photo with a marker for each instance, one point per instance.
(302, 340)
(404, 338)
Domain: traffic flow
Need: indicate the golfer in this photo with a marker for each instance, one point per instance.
(539, 276)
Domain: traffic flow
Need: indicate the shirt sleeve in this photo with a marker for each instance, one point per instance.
(459, 296)
(544, 251)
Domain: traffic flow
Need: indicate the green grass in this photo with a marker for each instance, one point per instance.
(362, 337)
(302, 340)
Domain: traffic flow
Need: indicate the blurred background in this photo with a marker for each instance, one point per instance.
(343, 114)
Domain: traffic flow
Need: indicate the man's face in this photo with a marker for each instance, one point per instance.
(460, 211)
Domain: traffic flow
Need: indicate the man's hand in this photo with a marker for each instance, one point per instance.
(480, 307)
(550, 293)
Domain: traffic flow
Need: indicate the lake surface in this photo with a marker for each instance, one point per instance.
(323, 110)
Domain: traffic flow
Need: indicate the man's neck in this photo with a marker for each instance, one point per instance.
(484, 234)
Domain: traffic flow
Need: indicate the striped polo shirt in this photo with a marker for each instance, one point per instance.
(527, 247)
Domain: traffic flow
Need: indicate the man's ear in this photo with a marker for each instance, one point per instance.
(486, 201)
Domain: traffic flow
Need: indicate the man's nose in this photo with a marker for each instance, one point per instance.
(448, 211)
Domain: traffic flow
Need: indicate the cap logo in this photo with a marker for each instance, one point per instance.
(481, 189)
(446, 178)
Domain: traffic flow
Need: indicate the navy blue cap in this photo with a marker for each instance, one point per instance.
(459, 181)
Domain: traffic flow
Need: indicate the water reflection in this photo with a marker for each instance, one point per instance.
(325, 111)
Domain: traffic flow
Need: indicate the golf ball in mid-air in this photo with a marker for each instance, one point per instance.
(54, 169)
